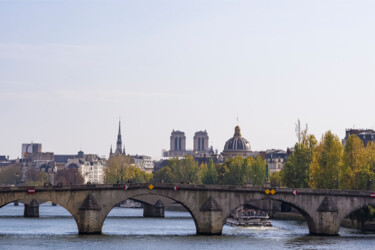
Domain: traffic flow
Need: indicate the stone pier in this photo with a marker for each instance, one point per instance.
(32, 210)
(155, 211)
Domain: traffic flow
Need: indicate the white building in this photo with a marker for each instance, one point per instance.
(275, 159)
(143, 162)
(91, 171)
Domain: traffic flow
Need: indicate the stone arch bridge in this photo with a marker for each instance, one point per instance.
(209, 205)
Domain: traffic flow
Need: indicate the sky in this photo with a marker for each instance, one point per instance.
(69, 70)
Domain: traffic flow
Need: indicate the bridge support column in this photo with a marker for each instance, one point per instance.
(211, 223)
(155, 211)
(210, 219)
(326, 220)
(89, 217)
(32, 209)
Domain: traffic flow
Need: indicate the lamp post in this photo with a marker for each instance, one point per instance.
(17, 179)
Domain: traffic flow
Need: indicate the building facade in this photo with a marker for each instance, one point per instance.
(143, 162)
(90, 167)
(275, 159)
(366, 135)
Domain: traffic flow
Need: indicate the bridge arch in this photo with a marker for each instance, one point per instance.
(308, 218)
(346, 213)
(7, 200)
(121, 198)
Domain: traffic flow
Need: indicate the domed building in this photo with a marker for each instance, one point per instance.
(236, 146)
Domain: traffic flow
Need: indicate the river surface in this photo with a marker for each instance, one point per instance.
(125, 228)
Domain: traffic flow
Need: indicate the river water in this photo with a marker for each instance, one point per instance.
(125, 228)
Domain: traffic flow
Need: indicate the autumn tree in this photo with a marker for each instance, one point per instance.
(370, 157)
(353, 161)
(275, 179)
(326, 162)
(295, 173)
(119, 169)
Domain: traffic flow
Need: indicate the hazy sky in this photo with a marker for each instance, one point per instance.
(70, 69)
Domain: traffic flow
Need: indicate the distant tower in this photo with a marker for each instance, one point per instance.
(201, 142)
(119, 150)
(178, 143)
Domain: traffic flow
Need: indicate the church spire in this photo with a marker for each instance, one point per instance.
(119, 141)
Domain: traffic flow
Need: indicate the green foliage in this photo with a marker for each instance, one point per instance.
(209, 174)
(239, 171)
(179, 170)
(326, 162)
(163, 175)
(295, 173)
(235, 172)
(257, 171)
(119, 169)
(275, 179)
(221, 170)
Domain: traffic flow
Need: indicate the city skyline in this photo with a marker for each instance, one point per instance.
(69, 69)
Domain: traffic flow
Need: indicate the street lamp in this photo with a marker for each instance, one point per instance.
(17, 180)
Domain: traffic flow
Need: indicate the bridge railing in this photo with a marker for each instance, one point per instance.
(216, 188)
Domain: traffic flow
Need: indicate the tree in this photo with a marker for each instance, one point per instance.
(120, 169)
(257, 171)
(275, 179)
(163, 175)
(326, 162)
(11, 175)
(299, 132)
(179, 170)
(295, 173)
(370, 160)
(234, 171)
(35, 177)
(221, 170)
(209, 173)
(354, 162)
(68, 176)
